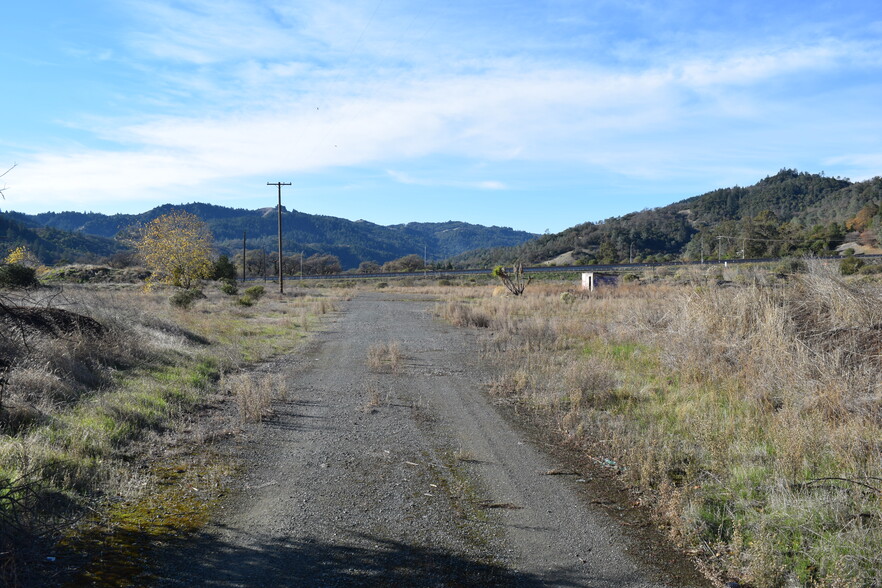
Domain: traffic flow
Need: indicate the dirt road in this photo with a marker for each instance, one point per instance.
(402, 475)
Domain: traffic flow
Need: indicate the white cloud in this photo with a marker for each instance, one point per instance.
(314, 87)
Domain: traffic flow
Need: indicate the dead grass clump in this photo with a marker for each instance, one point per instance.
(464, 315)
(385, 357)
(254, 395)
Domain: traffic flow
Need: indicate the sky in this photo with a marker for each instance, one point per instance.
(537, 115)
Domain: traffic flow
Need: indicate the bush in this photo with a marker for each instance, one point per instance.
(224, 269)
(789, 266)
(228, 286)
(185, 298)
(255, 292)
(868, 269)
(18, 276)
(251, 295)
(850, 265)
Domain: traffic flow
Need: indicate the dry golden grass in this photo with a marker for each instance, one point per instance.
(385, 357)
(751, 412)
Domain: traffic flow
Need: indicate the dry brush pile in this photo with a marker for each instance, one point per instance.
(749, 415)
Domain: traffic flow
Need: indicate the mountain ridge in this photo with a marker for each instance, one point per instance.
(351, 241)
(788, 213)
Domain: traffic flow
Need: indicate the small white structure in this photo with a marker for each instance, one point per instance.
(592, 280)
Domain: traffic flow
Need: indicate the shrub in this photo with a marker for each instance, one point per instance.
(18, 276)
(255, 292)
(850, 265)
(224, 269)
(228, 286)
(185, 298)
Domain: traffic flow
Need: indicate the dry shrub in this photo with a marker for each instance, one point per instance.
(464, 315)
(253, 393)
(724, 403)
(592, 381)
(385, 357)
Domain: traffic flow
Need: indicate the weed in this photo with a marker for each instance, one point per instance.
(385, 357)
(717, 402)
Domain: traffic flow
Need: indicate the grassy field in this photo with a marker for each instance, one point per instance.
(746, 411)
(101, 396)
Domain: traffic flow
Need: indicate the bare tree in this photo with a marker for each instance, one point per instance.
(3, 189)
(513, 280)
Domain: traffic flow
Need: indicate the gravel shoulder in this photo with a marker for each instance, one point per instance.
(407, 475)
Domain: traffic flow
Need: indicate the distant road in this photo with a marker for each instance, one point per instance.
(617, 267)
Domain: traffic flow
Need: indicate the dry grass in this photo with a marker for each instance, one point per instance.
(751, 412)
(385, 357)
(82, 409)
(254, 394)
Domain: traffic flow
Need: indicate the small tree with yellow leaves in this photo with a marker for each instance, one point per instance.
(176, 248)
(22, 256)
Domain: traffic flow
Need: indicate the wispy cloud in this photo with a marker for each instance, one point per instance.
(238, 88)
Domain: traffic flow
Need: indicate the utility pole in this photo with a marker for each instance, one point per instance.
(244, 233)
(279, 209)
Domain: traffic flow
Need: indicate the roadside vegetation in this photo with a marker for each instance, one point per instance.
(744, 407)
(104, 392)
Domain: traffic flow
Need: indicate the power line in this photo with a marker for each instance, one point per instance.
(279, 185)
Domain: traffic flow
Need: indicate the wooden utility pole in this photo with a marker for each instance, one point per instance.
(280, 184)
(244, 233)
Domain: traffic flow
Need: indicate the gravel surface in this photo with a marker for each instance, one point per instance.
(401, 475)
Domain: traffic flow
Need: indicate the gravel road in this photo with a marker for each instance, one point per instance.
(405, 475)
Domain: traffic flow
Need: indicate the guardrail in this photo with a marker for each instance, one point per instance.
(621, 267)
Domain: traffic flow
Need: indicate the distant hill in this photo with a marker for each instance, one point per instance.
(789, 213)
(351, 241)
(51, 245)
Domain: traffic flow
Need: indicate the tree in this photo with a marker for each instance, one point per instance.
(22, 256)
(513, 280)
(408, 263)
(223, 269)
(176, 248)
(369, 267)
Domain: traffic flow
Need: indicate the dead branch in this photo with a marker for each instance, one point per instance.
(3, 189)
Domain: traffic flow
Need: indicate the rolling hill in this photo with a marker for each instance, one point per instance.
(789, 213)
(89, 235)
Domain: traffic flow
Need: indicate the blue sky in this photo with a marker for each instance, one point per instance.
(535, 115)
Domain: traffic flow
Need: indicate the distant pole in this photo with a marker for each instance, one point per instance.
(301, 269)
(263, 262)
(244, 233)
(279, 209)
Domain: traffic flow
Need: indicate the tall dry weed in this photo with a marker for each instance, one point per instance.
(730, 405)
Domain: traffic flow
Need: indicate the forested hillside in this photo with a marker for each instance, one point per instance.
(51, 245)
(789, 213)
(353, 242)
